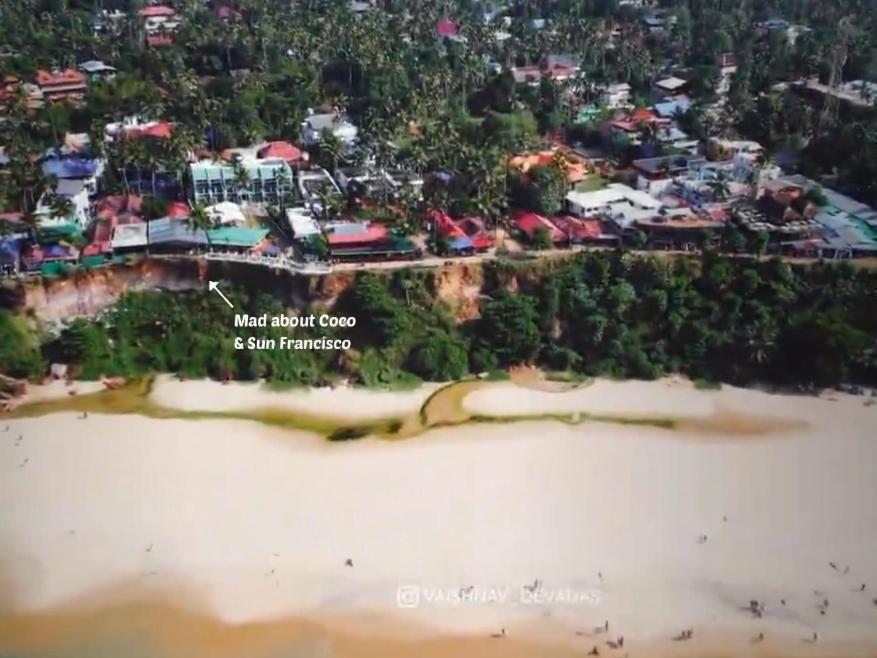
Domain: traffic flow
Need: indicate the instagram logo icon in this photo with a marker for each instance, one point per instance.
(408, 596)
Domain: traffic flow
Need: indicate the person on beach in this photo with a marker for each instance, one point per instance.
(348, 562)
(594, 652)
(606, 626)
(760, 637)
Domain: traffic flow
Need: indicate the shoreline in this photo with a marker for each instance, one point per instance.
(348, 412)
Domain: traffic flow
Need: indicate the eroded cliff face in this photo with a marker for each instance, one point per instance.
(460, 284)
(89, 293)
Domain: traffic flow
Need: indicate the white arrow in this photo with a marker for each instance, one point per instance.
(214, 285)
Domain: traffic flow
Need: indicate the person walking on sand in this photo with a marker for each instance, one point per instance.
(759, 637)
(594, 652)
(606, 626)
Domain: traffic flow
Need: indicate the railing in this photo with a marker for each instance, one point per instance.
(274, 262)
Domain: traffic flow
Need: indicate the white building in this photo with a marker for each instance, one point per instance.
(338, 124)
(302, 223)
(611, 199)
(615, 96)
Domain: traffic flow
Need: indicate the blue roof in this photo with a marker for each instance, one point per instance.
(461, 243)
(670, 108)
(70, 167)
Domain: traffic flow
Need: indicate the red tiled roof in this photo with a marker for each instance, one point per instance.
(530, 222)
(159, 40)
(582, 229)
(374, 233)
(445, 225)
(66, 77)
(178, 210)
(282, 150)
(119, 203)
(157, 10)
(447, 28)
(160, 130)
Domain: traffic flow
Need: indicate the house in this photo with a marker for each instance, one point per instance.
(285, 151)
(313, 185)
(582, 231)
(226, 213)
(59, 86)
(455, 239)
(619, 204)
(96, 69)
(159, 18)
(669, 87)
(655, 175)
(363, 182)
(615, 96)
(338, 124)
(629, 126)
(448, 31)
(846, 228)
(251, 180)
(530, 224)
(672, 108)
(727, 63)
(678, 228)
(302, 223)
(10, 254)
(129, 237)
(463, 236)
(555, 67)
(575, 167)
(359, 234)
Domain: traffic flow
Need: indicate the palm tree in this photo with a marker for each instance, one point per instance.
(242, 178)
(719, 186)
(32, 222)
(201, 220)
(60, 207)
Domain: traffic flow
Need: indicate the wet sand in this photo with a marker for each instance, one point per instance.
(248, 527)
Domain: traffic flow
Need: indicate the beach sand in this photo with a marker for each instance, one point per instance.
(250, 527)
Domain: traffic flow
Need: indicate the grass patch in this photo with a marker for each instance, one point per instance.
(592, 183)
(498, 376)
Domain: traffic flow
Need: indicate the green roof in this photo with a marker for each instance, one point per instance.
(237, 236)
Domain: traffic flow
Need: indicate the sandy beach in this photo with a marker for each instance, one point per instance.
(251, 528)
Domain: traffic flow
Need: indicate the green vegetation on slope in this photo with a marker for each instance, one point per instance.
(610, 314)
